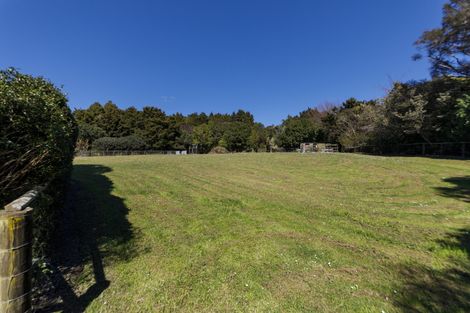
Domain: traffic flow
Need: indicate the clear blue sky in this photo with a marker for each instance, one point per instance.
(270, 57)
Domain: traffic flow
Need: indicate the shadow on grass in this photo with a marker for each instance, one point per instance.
(459, 190)
(94, 228)
(442, 290)
(447, 290)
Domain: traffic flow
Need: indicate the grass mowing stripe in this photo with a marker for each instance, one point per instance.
(283, 233)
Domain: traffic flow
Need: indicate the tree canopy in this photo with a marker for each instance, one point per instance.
(425, 111)
(448, 47)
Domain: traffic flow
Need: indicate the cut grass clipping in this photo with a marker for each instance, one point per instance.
(273, 233)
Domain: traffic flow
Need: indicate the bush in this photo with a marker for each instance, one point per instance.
(87, 133)
(37, 138)
(236, 136)
(218, 150)
(119, 143)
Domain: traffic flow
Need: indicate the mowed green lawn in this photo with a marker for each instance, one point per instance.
(275, 233)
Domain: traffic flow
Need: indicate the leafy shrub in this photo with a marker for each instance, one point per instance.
(218, 150)
(236, 136)
(120, 143)
(37, 138)
(87, 133)
(90, 132)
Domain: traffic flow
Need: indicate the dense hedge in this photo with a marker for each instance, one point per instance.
(119, 143)
(37, 139)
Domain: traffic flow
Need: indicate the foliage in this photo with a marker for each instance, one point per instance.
(272, 133)
(429, 111)
(357, 122)
(154, 127)
(218, 150)
(87, 134)
(37, 141)
(258, 140)
(236, 131)
(236, 136)
(120, 143)
(426, 111)
(463, 112)
(110, 120)
(331, 133)
(202, 137)
(295, 130)
(448, 47)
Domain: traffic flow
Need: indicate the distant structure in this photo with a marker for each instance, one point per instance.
(307, 147)
(193, 149)
(327, 147)
(318, 147)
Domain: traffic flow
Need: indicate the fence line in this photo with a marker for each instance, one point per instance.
(453, 149)
(88, 153)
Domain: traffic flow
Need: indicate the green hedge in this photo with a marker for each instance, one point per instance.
(119, 143)
(37, 139)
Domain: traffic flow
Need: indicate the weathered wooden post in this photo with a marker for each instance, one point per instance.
(16, 229)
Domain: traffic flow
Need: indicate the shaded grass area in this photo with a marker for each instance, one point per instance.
(91, 229)
(427, 289)
(274, 233)
(460, 188)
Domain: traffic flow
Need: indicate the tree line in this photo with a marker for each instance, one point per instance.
(108, 127)
(425, 111)
(433, 110)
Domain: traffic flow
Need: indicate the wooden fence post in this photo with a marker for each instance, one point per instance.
(463, 150)
(16, 234)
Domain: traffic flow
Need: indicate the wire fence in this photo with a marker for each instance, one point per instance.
(89, 153)
(442, 149)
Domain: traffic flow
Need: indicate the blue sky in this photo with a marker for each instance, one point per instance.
(270, 57)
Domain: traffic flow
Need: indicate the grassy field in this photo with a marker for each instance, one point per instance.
(273, 233)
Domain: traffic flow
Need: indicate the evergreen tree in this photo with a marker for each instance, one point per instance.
(448, 47)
